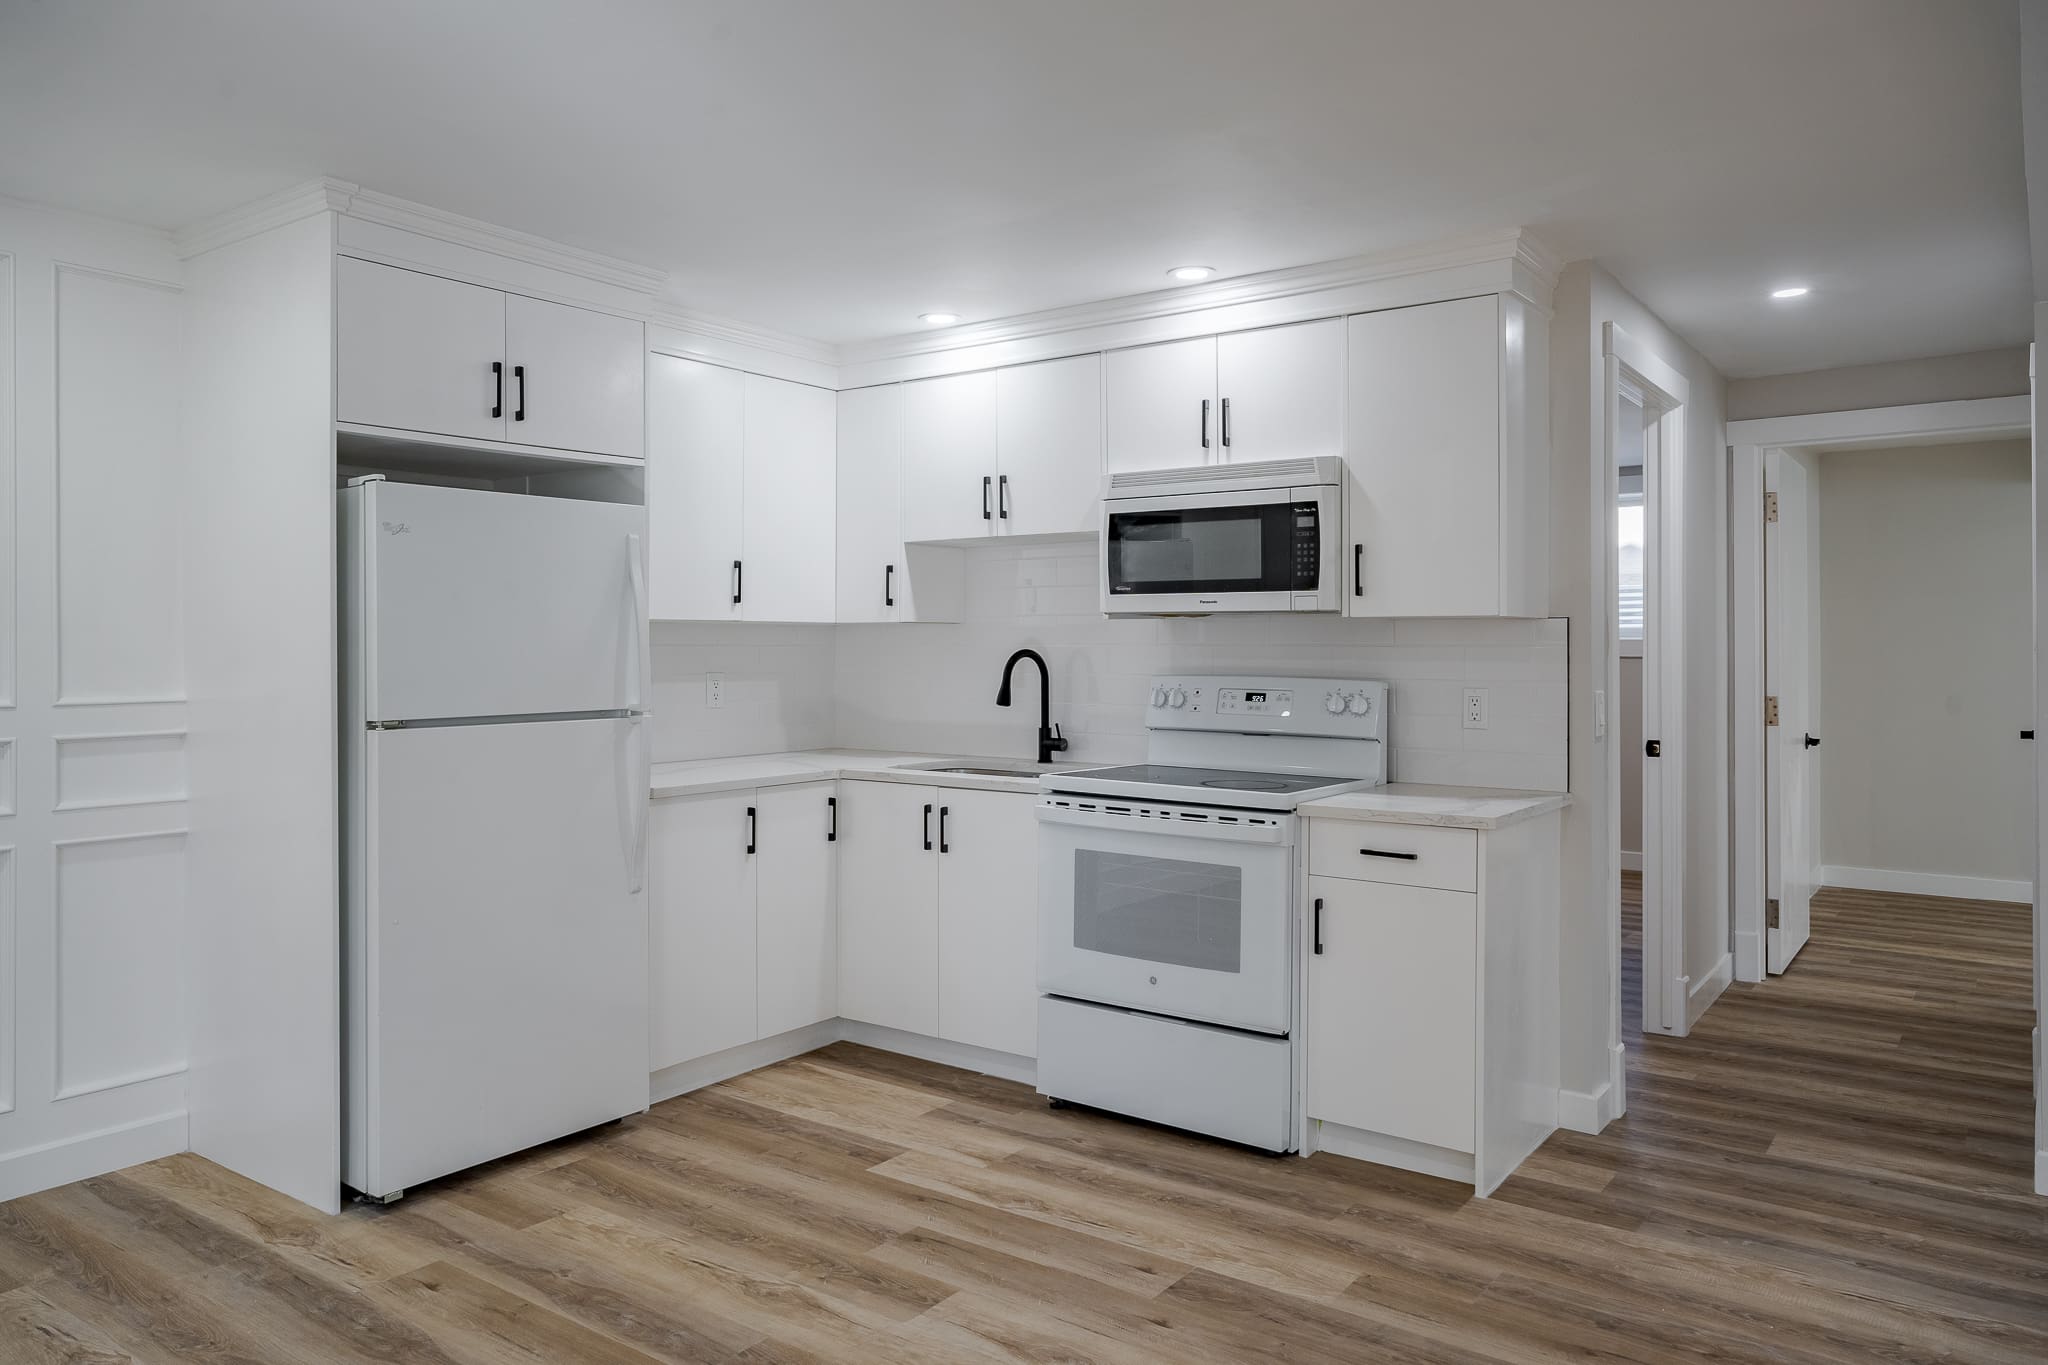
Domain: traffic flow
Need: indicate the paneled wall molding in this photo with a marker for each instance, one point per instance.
(10, 1004)
(110, 769)
(9, 515)
(150, 997)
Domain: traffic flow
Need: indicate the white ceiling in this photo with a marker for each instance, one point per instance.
(833, 169)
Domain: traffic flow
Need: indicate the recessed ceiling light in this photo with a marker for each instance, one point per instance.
(1791, 291)
(938, 319)
(1190, 273)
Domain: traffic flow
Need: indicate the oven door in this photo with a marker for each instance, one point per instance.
(1270, 549)
(1176, 910)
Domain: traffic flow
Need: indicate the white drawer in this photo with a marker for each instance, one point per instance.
(1404, 855)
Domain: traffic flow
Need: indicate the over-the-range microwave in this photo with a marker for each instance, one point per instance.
(1225, 537)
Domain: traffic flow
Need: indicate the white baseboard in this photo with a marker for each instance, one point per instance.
(1589, 1111)
(1359, 1145)
(1749, 956)
(1005, 1065)
(1631, 862)
(1707, 989)
(91, 1154)
(681, 1079)
(1927, 884)
(2041, 1173)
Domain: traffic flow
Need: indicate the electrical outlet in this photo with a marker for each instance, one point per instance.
(1475, 708)
(714, 689)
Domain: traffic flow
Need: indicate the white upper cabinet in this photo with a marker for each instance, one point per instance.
(949, 457)
(416, 352)
(1049, 447)
(1280, 392)
(870, 541)
(1161, 406)
(577, 378)
(1447, 448)
(740, 495)
(788, 571)
(696, 436)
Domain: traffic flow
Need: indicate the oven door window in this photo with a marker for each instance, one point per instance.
(1162, 910)
(1260, 547)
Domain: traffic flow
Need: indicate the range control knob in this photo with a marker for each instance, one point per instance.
(1178, 699)
(1159, 696)
(1360, 704)
(1333, 702)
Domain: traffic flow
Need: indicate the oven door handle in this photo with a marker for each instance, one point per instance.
(1119, 819)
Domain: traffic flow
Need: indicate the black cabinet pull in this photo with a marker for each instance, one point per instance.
(2026, 734)
(831, 819)
(1003, 497)
(1653, 748)
(1812, 743)
(1226, 424)
(519, 377)
(1205, 424)
(927, 827)
(738, 581)
(1319, 926)
(1388, 853)
(1358, 570)
(944, 811)
(888, 585)
(751, 829)
(985, 482)
(498, 379)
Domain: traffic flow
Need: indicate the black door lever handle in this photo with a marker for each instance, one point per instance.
(1812, 743)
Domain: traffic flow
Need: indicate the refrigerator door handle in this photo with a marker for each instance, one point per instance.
(637, 802)
(637, 576)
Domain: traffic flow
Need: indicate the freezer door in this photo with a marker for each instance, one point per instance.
(503, 996)
(496, 604)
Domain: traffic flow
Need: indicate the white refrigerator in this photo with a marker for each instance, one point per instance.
(494, 760)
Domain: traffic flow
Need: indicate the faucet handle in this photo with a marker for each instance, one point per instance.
(1056, 741)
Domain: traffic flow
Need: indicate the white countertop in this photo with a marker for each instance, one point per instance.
(702, 776)
(1417, 803)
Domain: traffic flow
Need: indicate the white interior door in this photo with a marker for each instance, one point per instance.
(577, 378)
(1790, 871)
(1159, 404)
(788, 507)
(696, 450)
(415, 351)
(497, 604)
(507, 941)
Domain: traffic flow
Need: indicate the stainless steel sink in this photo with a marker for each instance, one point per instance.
(982, 772)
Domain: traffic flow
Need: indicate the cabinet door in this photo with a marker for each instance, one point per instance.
(575, 378)
(889, 905)
(1424, 452)
(1049, 447)
(1281, 392)
(701, 933)
(1160, 403)
(788, 506)
(695, 453)
(1391, 1011)
(798, 951)
(988, 920)
(415, 351)
(870, 532)
(949, 457)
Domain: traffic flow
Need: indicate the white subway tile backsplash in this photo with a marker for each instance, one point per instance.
(932, 687)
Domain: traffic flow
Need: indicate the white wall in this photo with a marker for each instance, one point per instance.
(1588, 298)
(933, 686)
(1926, 661)
(1935, 379)
(93, 780)
(778, 689)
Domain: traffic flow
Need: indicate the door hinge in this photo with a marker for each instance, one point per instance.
(1770, 710)
(1770, 507)
(1771, 913)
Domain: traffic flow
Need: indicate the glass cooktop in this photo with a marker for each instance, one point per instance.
(1212, 779)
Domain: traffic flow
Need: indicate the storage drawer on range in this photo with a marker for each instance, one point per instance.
(1405, 855)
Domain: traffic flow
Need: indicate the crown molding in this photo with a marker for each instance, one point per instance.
(303, 200)
(1513, 246)
(737, 333)
(391, 211)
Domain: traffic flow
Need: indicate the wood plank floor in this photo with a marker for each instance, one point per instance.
(1834, 1168)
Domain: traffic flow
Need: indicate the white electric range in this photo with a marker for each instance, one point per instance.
(1168, 892)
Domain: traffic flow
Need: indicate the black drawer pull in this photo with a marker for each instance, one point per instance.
(831, 819)
(498, 375)
(927, 827)
(751, 828)
(1387, 853)
(1319, 926)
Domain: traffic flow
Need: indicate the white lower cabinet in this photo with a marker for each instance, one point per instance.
(938, 913)
(1432, 994)
(988, 920)
(741, 931)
